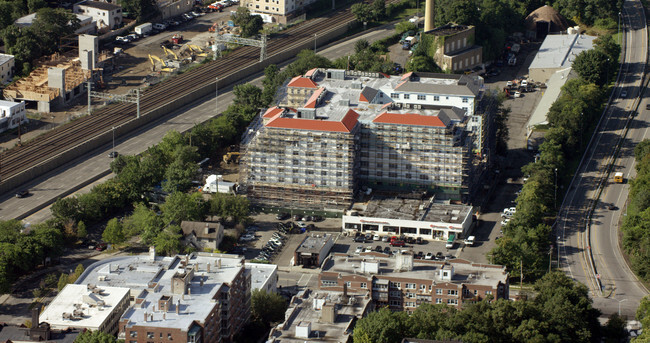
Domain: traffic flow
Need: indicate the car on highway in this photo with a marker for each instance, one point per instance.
(22, 193)
(612, 207)
(624, 94)
(647, 107)
(113, 154)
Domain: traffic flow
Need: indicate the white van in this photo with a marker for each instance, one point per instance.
(469, 241)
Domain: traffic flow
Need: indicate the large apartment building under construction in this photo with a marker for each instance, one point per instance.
(335, 130)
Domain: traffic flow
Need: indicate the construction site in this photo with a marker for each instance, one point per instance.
(60, 78)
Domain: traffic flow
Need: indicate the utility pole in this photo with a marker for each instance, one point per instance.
(88, 87)
(216, 96)
(558, 252)
(113, 151)
(521, 276)
(550, 257)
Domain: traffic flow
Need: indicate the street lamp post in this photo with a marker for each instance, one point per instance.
(216, 96)
(619, 306)
(113, 151)
(558, 252)
(555, 189)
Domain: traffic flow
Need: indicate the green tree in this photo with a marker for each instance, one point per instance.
(228, 205)
(592, 65)
(168, 241)
(381, 326)
(250, 24)
(50, 25)
(144, 222)
(35, 5)
(63, 281)
(89, 336)
(81, 230)
(421, 63)
(363, 12)
(405, 26)
(140, 10)
(113, 233)
(182, 206)
(267, 307)
(65, 209)
(361, 45)
(378, 9)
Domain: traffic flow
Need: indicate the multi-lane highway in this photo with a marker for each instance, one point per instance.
(590, 216)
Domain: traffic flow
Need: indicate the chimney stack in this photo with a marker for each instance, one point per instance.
(207, 229)
(178, 306)
(145, 316)
(36, 311)
(429, 14)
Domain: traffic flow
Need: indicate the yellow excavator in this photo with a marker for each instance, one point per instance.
(231, 157)
(197, 50)
(170, 52)
(164, 67)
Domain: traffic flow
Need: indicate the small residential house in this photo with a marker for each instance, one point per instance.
(7, 63)
(107, 16)
(202, 235)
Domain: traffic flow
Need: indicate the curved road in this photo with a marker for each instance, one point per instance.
(612, 285)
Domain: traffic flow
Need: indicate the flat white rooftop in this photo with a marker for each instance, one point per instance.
(140, 273)
(260, 274)
(559, 51)
(77, 306)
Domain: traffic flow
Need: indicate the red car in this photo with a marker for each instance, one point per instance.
(100, 247)
(397, 243)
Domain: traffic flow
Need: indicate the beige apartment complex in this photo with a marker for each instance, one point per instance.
(334, 131)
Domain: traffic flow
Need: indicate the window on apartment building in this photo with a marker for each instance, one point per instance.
(257, 6)
(296, 153)
(488, 292)
(424, 177)
(348, 283)
(295, 162)
(392, 165)
(452, 292)
(395, 302)
(149, 334)
(263, 169)
(379, 173)
(379, 155)
(410, 286)
(392, 174)
(339, 174)
(339, 164)
(161, 335)
(422, 97)
(323, 173)
(309, 172)
(263, 159)
(323, 164)
(169, 337)
(295, 181)
(425, 231)
(328, 283)
(452, 301)
(280, 179)
(407, 96)
(133, 334)
(475, 292)
(465, 100)
(310, 154)
(392, 156)
(280, 170)
(363, 285)
(408, 176)
(262, 178)
(436, 98)
(395, 284)
(266, 7)
(339, 183)
(309, 163)
(423, 287)
(380, 165)
(295, 171)
(439, 291)
(438, 301)
(394, 95)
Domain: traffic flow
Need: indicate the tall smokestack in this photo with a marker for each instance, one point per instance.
(429, 14)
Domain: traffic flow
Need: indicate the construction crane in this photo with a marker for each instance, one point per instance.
(164, 66)
(170, 52)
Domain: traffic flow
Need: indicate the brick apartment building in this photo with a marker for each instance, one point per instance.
(402, 283)
(193, 298)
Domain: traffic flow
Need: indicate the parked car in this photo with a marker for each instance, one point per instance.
(368, 237)
(410, 240)
(397, 243)
(101, 247)
(384, 239)
(429, 256)
(306, 218)
(376, 238)
(419, 240)
(368, 249)
(359, 250)
(419, 255)
(360, 239)
(301, 224)
(379, 248)
(121, 40)
(283, 216)
(317, 218)
(387, 251)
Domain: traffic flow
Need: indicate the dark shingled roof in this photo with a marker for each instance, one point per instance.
(100, 5)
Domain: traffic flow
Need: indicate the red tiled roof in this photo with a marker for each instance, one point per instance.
(272, 111)
(362, 98)
(409, 119)
(345, 125)
(407, 75)
(310, 72)
(302, 82)
(311, 103)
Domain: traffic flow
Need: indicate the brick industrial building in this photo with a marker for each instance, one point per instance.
(403, 283)
(335, 130)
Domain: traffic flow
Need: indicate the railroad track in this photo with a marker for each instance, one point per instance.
(54, 142)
